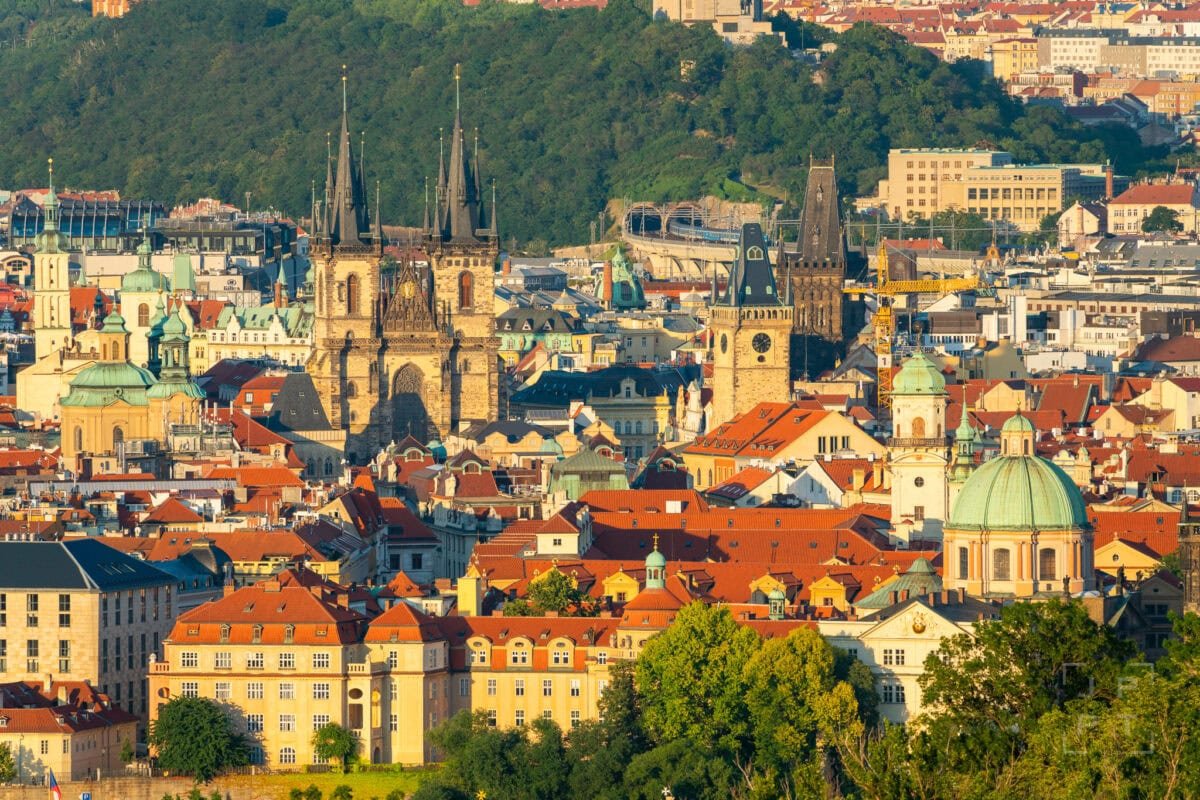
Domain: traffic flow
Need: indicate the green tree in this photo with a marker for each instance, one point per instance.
(341, 792)
(604, 748)
(195, 736)
(555, 592)
(1162, 218)
(692, 679)
(8, 765)
(334, 742)
(126, 751)
(312, 792)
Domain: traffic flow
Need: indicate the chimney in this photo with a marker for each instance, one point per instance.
(606, 286)
(506, 267)
(1108, 182)
(47, 682)
(278, 294)
(858, 479)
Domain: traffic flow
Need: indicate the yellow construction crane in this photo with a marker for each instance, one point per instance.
(883, 322)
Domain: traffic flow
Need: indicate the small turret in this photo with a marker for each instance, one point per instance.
(656, 568)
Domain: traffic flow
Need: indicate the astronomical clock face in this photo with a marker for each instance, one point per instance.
(724, 343)
(761, 342)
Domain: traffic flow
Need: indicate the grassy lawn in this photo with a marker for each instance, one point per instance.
(365, 785)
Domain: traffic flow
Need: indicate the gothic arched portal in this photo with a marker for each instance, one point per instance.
(409, 414)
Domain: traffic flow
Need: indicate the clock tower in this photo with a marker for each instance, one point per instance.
(751, 326)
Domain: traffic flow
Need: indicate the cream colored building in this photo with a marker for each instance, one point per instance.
(1011, 57)
(78, 611)
(916, 177)
(1128, 210)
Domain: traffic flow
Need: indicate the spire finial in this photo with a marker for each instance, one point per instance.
(50, 162)
(345, 104)
(656, 542)
(457, 86)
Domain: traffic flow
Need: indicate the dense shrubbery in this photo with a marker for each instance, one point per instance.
(183, 99)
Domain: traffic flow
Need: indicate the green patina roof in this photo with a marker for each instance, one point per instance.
(174, 326)
(114, 323)
(1017, 423)
(108, 382)
(920, 578)
(297, 320)
(656, 559)
(165, 389)
(1018, 493)
(183, 277)
(143, 280)
(919, 375)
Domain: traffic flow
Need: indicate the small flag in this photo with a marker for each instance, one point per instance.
(55, 792)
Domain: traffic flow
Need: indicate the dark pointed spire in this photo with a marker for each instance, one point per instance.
(493, 230)
(461, 221)
(328, 183)
(751, 279)
(350, 224)
(378, 224)
(426, 225)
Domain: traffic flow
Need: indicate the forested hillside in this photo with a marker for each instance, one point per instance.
(183, 99)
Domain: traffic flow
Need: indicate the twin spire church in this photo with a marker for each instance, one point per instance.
(411, 351)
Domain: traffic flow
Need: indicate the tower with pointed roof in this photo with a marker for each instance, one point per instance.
(463, 246)
(51, 281)
(1189, 557)
(141, 292)
(816, 268)
(751, 325)
(413, 351)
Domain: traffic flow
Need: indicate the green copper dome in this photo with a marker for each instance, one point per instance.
(1017, 423)
(174, 326)
(104, 383)
(144, 278)
(656, 560)
(919, 375)
(1018, 493)
(114, 323)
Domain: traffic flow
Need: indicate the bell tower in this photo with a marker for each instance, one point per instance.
(918, 451)
(51, 281)
(752, 327)
(1189, 557)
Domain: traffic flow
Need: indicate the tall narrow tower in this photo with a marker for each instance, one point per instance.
(752, 325)
(918, 451)
(51, 281)
(1189, 558)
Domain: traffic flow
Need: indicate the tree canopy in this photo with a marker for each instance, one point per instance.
(1162, 218)
(195, 736)
(333, 742)
(574, 107)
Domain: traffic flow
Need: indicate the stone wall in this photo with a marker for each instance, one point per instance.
(141, 788)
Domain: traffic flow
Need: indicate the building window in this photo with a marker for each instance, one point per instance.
(254, 661)
(518, 657)
(143, 315)
(520, 718)
(491, 687)
(519, 687)
(394, 723)
(64, 611)
(320, 691)
(893, 693)
(223, 690)
(352, 295)
(1046, 570)
(190, 689)
(287, 722)
(287, 660)
(464, 687)
(574, 688)
(602, 657)
(31, 655)
(547, 688)
(466, 290)
(393, 659)
(287, 755)
(287, 691)
(1001, 564)
(491, 717)
(893, 658)
(45, 746)
(64, 656)
(560, 657)
(320, 721)
(31, 610)
(964, 562)
(320, 661)
(575, 717)
(223, 661)
(254, 690)
(189, 660)
(289, 635)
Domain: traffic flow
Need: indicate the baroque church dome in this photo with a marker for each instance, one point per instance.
(1018, 491)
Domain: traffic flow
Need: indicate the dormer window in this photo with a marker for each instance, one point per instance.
(225, 633)
(289, 634)
(256, 634)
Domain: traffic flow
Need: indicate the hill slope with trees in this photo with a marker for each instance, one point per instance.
(181, 99)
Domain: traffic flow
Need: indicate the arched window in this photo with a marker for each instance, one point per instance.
(1046, 567)
(1001, 565)
(225, 632)
(118, 438)
(352, 295)
(78, 438)
(964, 563)
(289, 634)
(351, 389)
(466, 290)
(328, 467)
(918, 428)
(143, 316)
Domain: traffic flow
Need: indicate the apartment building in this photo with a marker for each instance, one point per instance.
(80, 611)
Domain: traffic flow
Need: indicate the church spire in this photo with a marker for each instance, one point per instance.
(461, 221)
(349, 224)
(426, 226)
(50, 240)
(751, 279)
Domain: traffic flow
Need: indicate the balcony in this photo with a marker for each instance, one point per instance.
(922, 442)
(367, 668)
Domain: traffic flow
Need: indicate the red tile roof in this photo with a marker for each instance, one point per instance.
(1156, 194)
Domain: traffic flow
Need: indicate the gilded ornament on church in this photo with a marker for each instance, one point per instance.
(918, 623)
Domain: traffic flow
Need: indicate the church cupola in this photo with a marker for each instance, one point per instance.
(656, 568)
(1016, 437)
(50, 240)
(113, 338)
(776, 603)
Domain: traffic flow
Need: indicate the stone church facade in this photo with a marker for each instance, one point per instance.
(412, 351)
